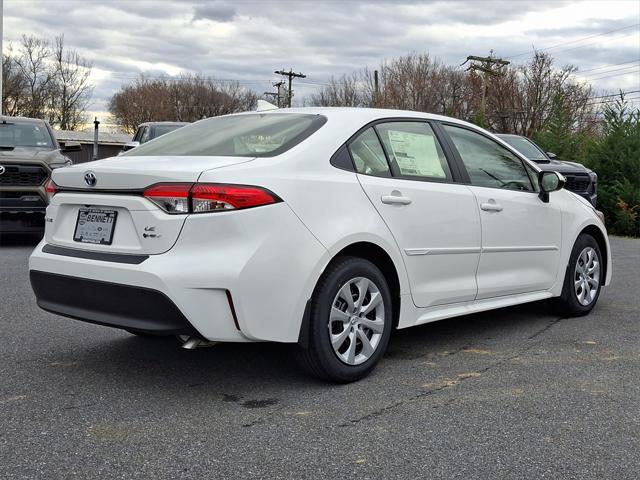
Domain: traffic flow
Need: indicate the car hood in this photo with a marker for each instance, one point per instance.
(31, 155)
(561, 166)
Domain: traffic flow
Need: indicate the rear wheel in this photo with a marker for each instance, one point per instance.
(583, 278)
(350, 321)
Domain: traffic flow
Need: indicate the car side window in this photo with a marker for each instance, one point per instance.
(414, 150)
(145, 135)
(487, 162)
(368, 155)
(136, 137)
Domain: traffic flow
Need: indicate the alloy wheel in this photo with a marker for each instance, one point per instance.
(356, 321)
(586, 277)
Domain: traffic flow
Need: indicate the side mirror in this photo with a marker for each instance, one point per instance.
(550, 182)
(71, 147)
(130, 145)
(552, 155)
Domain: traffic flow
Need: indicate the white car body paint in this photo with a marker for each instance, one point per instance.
(453, 258)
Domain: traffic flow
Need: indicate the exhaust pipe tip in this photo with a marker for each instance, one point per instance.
(191, 343)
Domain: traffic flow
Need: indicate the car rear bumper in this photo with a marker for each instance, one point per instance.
(234, 277)
(128, 307)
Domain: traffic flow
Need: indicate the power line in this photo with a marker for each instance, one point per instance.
(606, 72)
(605, 66)
(615, 75)
(528, 52)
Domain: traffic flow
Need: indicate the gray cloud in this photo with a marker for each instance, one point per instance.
(247, 40)
(216, 11)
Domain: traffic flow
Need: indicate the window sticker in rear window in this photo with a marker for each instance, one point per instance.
(416, 154)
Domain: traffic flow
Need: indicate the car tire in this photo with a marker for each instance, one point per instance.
(345, 338)
(583, 278)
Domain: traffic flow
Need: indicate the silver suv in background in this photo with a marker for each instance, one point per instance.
(580, 179)
(29, 152)
(150, 130)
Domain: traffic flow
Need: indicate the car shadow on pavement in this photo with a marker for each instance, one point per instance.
(19, 240)
(143, 362)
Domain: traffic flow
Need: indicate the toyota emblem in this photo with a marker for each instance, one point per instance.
(90, 179)
(2, 169)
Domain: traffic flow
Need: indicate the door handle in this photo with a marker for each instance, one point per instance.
(491, 206)
(395, 200)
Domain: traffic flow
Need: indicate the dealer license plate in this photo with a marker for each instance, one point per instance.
(95, 225)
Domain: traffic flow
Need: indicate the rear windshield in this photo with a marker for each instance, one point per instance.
(18, 134)
(253, 135)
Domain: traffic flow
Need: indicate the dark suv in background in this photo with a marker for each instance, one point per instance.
(28, 154)
(580, 179)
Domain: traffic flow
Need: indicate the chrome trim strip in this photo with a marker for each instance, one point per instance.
(440, 251)
(533, 248)
(462, 250)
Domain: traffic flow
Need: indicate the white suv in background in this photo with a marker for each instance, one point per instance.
(149, 130)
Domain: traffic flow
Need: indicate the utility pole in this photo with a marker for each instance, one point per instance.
(276, 95)
(95, 139)
(491, 67)
(376, 88)
(279, 85)
(291, 76)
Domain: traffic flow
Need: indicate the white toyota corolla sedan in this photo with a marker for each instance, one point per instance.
(324, 227)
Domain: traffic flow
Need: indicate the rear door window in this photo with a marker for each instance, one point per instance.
(414, 150)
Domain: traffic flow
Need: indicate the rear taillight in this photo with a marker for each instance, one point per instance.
(170, 197)
(51, 188)
(207, 197)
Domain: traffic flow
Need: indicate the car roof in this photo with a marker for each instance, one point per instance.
(152, 124)
(9, 119)
(509, 135)
(359, 115)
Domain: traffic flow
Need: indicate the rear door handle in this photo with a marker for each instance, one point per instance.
(491, 206)
(395, 200)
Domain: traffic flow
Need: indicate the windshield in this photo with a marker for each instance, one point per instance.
(160, 130)
(253, 135)
(526, 147)
(33, 135)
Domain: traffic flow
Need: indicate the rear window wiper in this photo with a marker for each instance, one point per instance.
(7, 147)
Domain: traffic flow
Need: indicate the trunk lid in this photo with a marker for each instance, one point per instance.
(136, 173)
(140, 227)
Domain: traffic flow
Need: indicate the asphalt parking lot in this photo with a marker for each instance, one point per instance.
(515, 393)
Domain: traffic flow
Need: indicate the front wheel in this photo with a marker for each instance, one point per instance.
(583, 278)
(350, 321)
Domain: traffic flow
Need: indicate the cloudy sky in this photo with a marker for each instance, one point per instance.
(248, 40)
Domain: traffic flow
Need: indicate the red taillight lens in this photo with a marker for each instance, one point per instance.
(51, 188)
(171, 197)
(208, 197)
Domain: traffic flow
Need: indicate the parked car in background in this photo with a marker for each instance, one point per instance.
(579, 178)
(150, 130)
(29, 153)
(325, 227)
